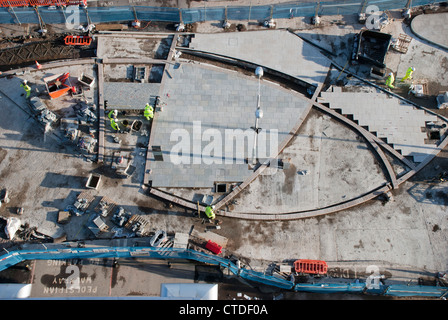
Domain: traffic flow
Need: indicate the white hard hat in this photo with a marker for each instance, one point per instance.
(413, 69)
(25, 81)
(213, 207)
(391, 74)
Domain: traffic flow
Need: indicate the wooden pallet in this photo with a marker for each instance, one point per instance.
(136, 218)
(86, 195)
(402, 43)
(110, 205)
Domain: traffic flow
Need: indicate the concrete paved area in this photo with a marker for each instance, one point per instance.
(215, 110)
(431, 27)
(317, 175)
(403, 232)
(276, 49)
(132, 47)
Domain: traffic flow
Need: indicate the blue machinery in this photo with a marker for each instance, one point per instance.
(190, 15)
(14, 257)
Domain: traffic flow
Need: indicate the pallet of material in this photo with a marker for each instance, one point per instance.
(402, 43)
(111, 27)
(86, 195)
(136, 218)
(107, 204)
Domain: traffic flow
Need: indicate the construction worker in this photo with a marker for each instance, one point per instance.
(113, 119)
(390, 80)
(26, 87)
(209, 212)
(408, 74)
(113, 124)
(149, 112)
(112, 114)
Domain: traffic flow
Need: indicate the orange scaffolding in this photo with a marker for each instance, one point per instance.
(310, 266)
(40, 3)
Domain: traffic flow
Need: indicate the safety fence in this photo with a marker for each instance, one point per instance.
(10, 14)
(14, 257)
(38, 3)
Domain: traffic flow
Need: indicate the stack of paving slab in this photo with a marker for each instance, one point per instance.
(400, 123)
(130, 95)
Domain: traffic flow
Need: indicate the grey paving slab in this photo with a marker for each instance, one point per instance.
(214, 137)
(276, 49)
(132, 95)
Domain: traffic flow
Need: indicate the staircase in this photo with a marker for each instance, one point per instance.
(398, 124)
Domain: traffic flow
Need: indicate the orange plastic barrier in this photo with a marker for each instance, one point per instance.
(14, 3)
(310, 266)
(26, 3)
(78, 40)
(213, 247)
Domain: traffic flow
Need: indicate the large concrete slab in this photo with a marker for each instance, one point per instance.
(432, 27)
(276, 49)
(207, 104)
(133, 47)
(319, 173)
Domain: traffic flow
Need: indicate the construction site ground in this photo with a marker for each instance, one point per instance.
(406, 236)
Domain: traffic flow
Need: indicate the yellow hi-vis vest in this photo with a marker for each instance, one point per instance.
(209, 212)
(149, 111)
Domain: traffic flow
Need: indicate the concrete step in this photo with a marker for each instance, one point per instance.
(388, 118)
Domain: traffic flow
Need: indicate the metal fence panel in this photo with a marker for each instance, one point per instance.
(158, 14)
(191, 15)
(402, 290)
(329, 287)
(384, 5)
(291, 11)
(24, 15)
(6, 17)
(259, 12)
(238, 13)
(53, 16)
(215, 14)
(112, 14)
(341, 8)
